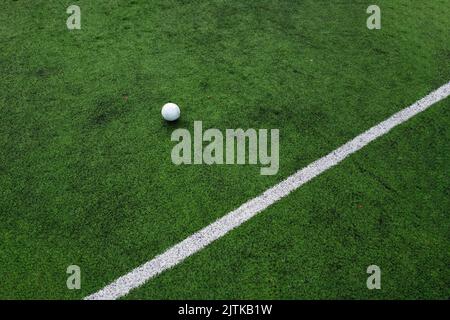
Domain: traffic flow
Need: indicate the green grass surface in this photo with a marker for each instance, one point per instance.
(319, 241)
(85, 171)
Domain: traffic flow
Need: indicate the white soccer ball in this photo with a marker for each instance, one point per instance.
(170, 112)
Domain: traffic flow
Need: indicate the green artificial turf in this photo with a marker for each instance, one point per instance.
(318, 242)
(85, 171)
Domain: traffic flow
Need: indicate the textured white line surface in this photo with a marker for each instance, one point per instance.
(217, 229)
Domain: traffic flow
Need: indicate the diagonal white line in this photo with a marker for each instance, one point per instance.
(222, 226)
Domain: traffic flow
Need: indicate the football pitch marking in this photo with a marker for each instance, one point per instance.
(234, 219)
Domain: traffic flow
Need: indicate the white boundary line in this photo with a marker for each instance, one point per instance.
(222, 226)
